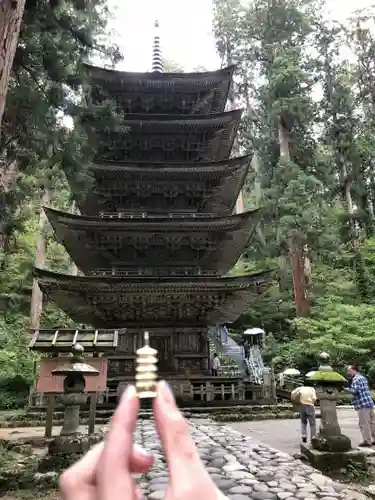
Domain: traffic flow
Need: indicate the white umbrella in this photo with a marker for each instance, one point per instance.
(292, 371)
(254, 331)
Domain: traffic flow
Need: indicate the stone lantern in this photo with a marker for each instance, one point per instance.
(327, 384)
(66, 448)
(330, 449)
(74, 389)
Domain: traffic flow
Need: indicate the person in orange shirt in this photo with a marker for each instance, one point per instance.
(305, 398)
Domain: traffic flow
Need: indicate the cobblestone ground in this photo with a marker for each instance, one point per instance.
(242, 468)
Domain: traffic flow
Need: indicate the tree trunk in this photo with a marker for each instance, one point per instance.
(296, 253)
(283, 273)
(240, 204)
(11, 12)
(6, 235)
(258, 196)
(285, 154)
(8, 175)
(232, 105)
(40, 257)
(301, 300)
(73, 269)
(347, 185)
(284, 142)
(255, 167)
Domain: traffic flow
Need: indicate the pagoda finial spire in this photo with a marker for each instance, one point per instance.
(157, 59)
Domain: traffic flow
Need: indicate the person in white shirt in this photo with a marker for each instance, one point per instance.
(215, 365)
(305, 398)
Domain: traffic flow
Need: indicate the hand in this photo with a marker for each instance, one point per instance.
(188, 477)
(104, 473)
(108, 465)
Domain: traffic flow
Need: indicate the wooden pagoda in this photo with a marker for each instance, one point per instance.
(156, 231)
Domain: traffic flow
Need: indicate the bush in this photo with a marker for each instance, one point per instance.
(14, 392)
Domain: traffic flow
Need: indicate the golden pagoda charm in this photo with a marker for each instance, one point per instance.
(146, 370)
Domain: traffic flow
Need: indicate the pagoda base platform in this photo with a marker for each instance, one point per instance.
(201, 388)
(195, 391)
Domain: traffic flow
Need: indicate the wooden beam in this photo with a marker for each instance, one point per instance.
(33, 340)
(115, 339)
(54, 340)
(49, 416)
(92, 412)
(75, 338)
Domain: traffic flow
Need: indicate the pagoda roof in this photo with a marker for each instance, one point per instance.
(161, 186)
(166, 137)
(210, 243)
(113, 302)
(177, 93)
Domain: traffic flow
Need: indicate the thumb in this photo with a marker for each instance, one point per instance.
(181, 453)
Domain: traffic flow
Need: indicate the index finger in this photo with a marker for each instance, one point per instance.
(114, 475)
(179, 447)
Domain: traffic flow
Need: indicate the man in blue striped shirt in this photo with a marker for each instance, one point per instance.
(363, 404)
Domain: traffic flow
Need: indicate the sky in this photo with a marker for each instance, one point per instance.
(185, 30)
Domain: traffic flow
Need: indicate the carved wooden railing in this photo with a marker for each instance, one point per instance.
(153, 215)
(150, 272)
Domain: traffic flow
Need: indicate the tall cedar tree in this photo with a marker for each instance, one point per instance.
(55, 37)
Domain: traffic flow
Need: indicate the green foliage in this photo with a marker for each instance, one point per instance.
(16, 363)
(41, 133)
(318, 190)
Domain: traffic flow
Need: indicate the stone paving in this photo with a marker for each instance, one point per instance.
(242, 468)
(240, 459)
(288, 440)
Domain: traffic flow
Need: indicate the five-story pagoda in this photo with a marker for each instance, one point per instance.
(156, 230)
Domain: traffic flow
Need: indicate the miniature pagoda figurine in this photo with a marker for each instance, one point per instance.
(146, 370)
(74, 387)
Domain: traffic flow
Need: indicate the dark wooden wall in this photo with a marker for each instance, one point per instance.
(181, 352)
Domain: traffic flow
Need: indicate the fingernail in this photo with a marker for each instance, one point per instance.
(129, 393)
(166, 392)
(141, 451)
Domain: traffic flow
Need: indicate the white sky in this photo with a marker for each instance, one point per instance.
(185, 30)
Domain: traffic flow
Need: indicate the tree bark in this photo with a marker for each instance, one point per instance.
(40, 257)
(284, 142)
(11, 13)
(284, 154)
(73, 269)
(8, 175)
(296, 253)
(347, 198)
(301, 300)
(232, 105)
